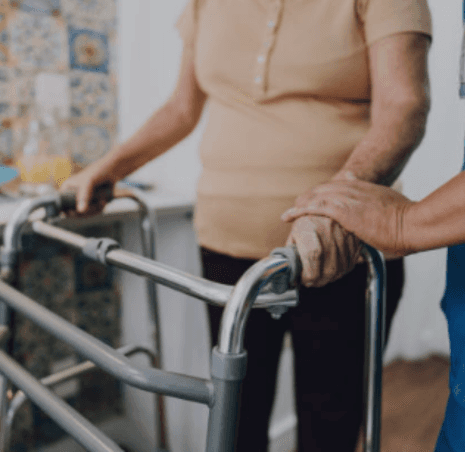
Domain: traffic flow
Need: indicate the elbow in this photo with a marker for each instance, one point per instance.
(414, 106)
(418, 110)
(410, 112)
(414, 116)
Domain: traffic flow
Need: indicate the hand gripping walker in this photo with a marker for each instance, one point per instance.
(265, 285)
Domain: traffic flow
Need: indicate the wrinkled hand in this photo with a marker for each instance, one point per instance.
(373, 213)
(326, 250)
(84, 184)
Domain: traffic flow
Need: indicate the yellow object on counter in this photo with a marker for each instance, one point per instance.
(61, 169)
(34, 169)
(44, 169)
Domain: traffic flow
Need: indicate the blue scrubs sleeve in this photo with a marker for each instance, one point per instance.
(452, 435)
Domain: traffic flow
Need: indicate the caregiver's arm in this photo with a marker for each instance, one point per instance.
(388, 220)
(400, 105)
(165, 128)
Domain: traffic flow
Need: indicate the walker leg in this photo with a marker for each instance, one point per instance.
(3, 387)
(228, 371)
(374, 332)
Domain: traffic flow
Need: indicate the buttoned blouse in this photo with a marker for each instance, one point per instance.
(288, 84)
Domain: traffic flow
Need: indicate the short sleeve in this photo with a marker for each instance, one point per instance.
(382, 18)
(187, 21)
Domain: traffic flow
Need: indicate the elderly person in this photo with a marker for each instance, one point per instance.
(299, 91)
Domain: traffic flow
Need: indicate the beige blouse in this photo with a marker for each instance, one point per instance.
(289, 99)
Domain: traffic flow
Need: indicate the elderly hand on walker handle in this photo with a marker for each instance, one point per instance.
(326, 250)
(85, 184)
(387, 220)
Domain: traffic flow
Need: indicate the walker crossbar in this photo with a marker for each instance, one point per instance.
(277, 273)
(150, 379)
(66, 417)
(57, 378)
(209, 291)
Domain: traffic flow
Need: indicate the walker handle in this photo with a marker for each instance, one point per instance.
(101, 192)
(292, 279)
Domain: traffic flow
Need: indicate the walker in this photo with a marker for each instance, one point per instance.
(270, 284)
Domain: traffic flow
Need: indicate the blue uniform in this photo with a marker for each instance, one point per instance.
(452, 435)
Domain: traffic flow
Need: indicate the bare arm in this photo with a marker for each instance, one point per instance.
(388, 220)
(439, 219)
(165, 128)
(400, 105)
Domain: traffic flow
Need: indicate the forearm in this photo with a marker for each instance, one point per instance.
(439, 219)
(165, 128)
(396, 130)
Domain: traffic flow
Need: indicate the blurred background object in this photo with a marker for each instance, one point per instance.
(58, 88)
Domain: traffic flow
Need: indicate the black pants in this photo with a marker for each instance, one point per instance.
(327, 331)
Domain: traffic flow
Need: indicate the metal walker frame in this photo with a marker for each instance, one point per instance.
(269, 284)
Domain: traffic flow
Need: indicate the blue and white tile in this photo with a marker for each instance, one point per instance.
(92, 97)
(103, 9)
(88, 50)
(94, 14)
(6, 143)
(89, 142)
(114, 47)
(49, 281)
(23, 92)
(99, 316)
(6, 97)
(37, 43)
(4, 36)
(48, 7)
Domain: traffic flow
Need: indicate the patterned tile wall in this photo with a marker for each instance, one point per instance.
(84, 293)
(75, 39)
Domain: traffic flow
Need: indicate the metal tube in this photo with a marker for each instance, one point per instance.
(4, 322)
(52, 380)
(375, 308)
(4, 434)
(12, 232)
(84, 432)
(154, 380)
(242, 298)
(227, 372)
(211, 292)
(224, 415)
(147, 235)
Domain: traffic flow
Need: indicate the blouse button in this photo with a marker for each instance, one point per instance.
(258, 79)
(261, 58)
(271, 24)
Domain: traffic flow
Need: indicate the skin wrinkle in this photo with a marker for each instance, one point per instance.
(377, 214)
(312, 236)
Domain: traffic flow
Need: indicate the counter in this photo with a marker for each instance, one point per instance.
(159, 200)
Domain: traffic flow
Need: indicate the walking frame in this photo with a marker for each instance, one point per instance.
(271, 284)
